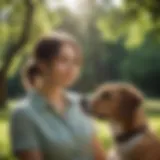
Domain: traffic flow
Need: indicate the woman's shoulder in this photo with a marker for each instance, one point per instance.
(21, 108)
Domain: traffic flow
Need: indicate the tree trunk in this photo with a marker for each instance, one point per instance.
(3, 89)
(14, 47)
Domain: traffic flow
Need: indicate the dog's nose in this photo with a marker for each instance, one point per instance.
(85, 104)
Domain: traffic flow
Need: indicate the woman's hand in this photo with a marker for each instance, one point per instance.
(99, 152)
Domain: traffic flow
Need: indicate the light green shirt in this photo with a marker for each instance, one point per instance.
(35, 125)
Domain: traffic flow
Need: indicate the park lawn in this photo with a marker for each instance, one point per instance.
(102, 128)
(4, 141)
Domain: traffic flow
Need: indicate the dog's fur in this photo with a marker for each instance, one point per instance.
(121, 104)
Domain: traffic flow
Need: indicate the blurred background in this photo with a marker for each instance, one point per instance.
(120, 41)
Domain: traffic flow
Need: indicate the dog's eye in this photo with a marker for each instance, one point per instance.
(105, 95)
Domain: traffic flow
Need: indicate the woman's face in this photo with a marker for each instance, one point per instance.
(65, 69)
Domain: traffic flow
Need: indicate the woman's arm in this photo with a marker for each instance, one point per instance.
(24, 140)
(99, 152)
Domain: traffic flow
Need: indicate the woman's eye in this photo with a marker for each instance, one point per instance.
(105, 95)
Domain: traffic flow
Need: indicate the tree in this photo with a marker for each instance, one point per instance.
(101, 58)
(142, 66)
(13, 47)
(133, 7)
(22, 23)
(132, 20)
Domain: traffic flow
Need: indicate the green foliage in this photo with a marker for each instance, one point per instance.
(134, 6)
(132, 20)
(117, 24)
(11, 23)
(142, 66)
(102, 64)
(106, 37)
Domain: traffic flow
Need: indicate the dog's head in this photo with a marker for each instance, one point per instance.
(115, 101)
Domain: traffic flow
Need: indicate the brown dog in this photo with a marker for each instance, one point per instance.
(121, 105)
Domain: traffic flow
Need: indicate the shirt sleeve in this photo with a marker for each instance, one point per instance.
(22, 132)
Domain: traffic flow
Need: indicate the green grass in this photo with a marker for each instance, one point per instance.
(152, 109)
(4, 132)
(152, 103)
(4, 141)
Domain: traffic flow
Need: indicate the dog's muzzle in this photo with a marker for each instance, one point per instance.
(87, 108)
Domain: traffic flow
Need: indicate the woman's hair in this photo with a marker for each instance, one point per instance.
(46, 51)
(48, 47)
(30, 72)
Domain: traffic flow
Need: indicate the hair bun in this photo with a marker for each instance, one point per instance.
(30, 71)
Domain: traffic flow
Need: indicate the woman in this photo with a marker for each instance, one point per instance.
(48, 124)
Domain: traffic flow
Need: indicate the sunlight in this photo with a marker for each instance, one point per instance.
(117, 3)
(72, 4)
(75, 5)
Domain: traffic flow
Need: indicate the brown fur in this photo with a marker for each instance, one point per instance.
(122, 103)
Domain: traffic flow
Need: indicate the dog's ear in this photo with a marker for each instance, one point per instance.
(131, 97)
(130, 100)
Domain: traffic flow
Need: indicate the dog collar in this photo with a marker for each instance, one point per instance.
(129, 135)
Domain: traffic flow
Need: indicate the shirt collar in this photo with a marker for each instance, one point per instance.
(37, 101)
(41, 103)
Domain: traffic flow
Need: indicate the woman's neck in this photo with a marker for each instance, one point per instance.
(55, 96)
(52, 92)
